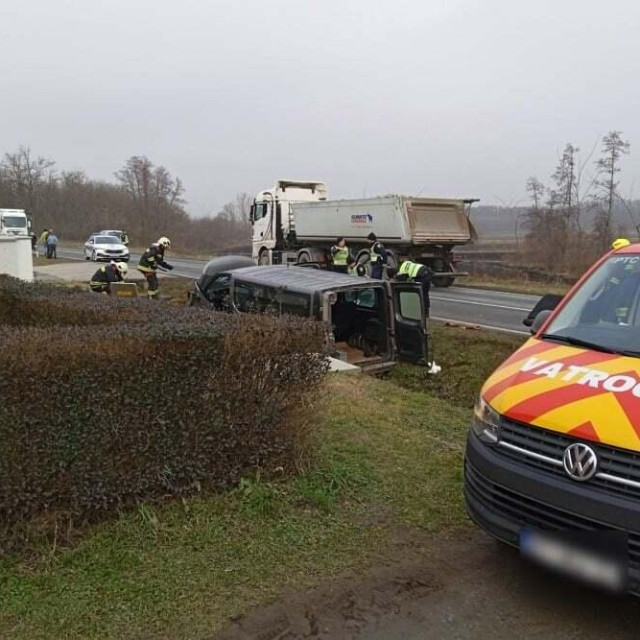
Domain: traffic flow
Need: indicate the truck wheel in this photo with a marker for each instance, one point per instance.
(392, 261)
(444, 283)
(304, 256)
(263, 258)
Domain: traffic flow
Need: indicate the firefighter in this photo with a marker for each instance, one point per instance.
(420, 274)
(378, 256)
(150, 261)
(125, 238)
(340, 255)
(104, 276)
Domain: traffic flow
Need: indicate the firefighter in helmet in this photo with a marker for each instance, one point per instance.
(113, 272)
(150, 261)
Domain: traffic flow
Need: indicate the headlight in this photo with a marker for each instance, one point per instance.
(486, 422)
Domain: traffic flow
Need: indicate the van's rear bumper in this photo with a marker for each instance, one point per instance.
(502, 497)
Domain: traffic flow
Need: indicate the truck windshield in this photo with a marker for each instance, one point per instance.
(14, 221)
(605, 311)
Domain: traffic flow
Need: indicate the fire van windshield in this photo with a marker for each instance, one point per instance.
(604, 313)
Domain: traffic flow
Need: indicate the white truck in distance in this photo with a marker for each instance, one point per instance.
(14, 222)
(295, 223)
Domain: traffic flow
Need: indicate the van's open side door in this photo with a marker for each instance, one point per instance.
(409, 320)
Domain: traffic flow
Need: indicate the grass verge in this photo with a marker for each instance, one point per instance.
(512, 285)
(467, 357)
(387, 474)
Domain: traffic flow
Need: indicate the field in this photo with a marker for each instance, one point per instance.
(386, 476)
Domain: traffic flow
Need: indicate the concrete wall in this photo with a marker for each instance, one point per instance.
(16, 258)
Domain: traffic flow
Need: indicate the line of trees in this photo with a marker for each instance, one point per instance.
(145, 199)
(557, 237)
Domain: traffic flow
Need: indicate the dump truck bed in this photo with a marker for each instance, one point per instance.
(394, 219)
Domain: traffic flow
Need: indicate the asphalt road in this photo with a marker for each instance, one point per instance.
(479, 307)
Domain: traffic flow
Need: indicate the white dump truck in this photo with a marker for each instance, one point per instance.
(294, 222)
(14, 222)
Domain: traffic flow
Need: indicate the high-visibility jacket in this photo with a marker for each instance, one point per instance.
(411, 269)
(151, 259)
(340, 255)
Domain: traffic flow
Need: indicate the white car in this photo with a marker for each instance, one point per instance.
(104, 247)
(114, 232)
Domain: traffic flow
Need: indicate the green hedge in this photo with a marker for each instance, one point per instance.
(104, 402)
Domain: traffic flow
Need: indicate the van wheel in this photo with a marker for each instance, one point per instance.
(263, 258)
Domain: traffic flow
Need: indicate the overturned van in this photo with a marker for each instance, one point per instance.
(370, 323)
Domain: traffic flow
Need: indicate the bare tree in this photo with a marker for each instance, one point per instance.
(536, 191)
(607, 168)
(23, 175)
(565, 194)
(155, 192)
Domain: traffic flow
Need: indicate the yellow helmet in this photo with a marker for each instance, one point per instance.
(620, 243)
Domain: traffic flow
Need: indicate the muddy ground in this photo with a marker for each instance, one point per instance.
(467, 586)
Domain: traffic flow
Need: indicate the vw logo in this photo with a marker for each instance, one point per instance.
(580, 462)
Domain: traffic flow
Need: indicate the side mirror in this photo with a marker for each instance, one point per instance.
(539, 321)
(548, 302)
(252, 213)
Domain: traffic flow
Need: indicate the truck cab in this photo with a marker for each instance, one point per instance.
(14, 222)
(271, 216)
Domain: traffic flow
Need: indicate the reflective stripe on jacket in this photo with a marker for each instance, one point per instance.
(151, 259)
(105, 275)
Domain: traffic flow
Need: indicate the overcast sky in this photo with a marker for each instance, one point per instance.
(431, 97)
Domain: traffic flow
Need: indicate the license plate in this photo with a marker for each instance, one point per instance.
(597, 559)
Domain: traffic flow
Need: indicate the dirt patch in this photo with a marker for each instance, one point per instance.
(466, 586)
